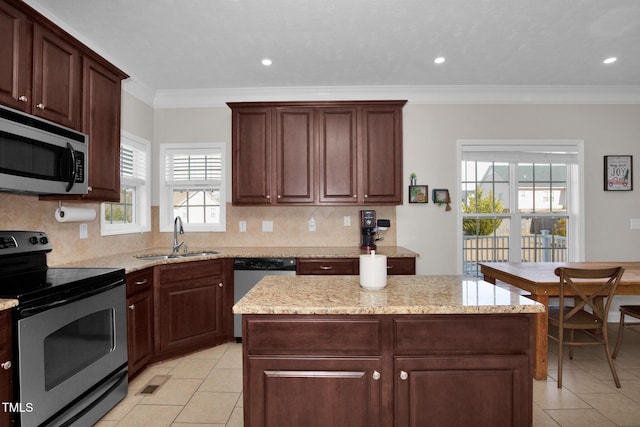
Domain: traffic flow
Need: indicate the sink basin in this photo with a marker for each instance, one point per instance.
(182, 255)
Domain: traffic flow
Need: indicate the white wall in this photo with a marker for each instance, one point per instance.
(430, 135)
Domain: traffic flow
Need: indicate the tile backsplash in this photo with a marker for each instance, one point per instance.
(290, 228)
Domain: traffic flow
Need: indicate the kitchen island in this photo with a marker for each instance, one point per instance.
(447, 350)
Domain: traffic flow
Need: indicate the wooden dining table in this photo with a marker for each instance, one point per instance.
(538, 281)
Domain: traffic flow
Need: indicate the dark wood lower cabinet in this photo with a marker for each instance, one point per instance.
(6, 368)
(388, 370)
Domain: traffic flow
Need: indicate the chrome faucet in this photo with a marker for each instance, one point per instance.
(177, 229)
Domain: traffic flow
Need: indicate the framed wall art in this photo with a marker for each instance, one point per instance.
(618, 173)
(418, 194)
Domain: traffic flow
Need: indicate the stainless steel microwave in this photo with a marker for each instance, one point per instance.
(39, 156)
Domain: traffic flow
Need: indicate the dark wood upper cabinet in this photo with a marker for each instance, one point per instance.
(16, 40)
(319, 153)
(101, 121)
(46, 72)
(56, 78)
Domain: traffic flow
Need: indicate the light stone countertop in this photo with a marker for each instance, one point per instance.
(402, 295)
(6, 304)
(130, 263)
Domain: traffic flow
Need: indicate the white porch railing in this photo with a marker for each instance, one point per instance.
(542, 247)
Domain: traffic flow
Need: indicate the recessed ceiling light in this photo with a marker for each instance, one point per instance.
(610, 60)
(439, 60)
(266, 62)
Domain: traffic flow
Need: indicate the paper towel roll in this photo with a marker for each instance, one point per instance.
(67, 214)
(373, 271)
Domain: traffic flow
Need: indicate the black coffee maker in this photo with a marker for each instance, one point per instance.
(368, 225)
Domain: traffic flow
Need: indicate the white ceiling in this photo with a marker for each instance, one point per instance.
(179, 45)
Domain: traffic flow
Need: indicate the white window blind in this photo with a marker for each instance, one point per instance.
(133, 164)
(197, 168)
(520, 152)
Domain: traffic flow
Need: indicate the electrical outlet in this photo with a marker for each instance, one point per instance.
(346, 220)
(312, 224)
(267, 226)
(242, 226)
(84, 231)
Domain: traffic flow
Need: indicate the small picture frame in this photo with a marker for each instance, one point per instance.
(418, 194)
(440, 196)
(618, 173)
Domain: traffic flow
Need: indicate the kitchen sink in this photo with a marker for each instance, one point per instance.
(177, 256)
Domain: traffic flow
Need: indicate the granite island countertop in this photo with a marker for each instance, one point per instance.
(131, 262)
(402, 295)
(6, 304)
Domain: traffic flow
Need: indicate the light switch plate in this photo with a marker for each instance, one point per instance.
(267, 226)
(242, 226)
(635, 223)
(346, 221)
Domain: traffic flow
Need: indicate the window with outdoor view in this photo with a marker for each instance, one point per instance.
(132, 213)
(520, 201)
(192, 186)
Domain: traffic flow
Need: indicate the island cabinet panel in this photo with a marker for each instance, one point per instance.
(139, 319)
(463, 391)
(388, 370)
(190, 299)
(6, 368)
(312, 392)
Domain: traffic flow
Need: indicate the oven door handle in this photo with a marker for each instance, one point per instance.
(72, 172)
(29, 311)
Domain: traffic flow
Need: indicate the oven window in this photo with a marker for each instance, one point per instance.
(77, 345)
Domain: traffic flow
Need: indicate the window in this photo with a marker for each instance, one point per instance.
(521, 201)
(192, 186)
(132, 213)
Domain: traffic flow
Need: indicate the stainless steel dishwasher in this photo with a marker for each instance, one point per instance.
(249, 271)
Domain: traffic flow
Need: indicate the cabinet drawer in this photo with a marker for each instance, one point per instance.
(139, 281)
(189, 270)
(327, 266)
(308, 335)
(477, 334)
(401, 266)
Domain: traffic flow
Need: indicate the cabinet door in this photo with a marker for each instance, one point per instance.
(463, 391)
(6, 369)
(381, 154)
(295, 155)
(338, 150)
(101, 121)
(313, 392)
(252, 155)
(190, 314)
(56, 88)
(16, 54)
(140, 330)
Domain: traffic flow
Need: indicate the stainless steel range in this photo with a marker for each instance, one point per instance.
(70, 335)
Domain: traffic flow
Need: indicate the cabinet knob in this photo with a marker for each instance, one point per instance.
(220, 284)
(355, 196)
(40, 106)
(403, 375)
(279, 196)
(132, 307)
(376, 375)
(23, 98)
(366, 195)
(268, 196)
(6, 365)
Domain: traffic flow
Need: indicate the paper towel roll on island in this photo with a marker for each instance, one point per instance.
(67, 214)
(373, 271)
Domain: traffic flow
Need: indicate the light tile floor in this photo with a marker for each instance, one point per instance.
(205, 390)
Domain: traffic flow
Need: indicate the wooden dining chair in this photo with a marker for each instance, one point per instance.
(583, 327)
(625, 310)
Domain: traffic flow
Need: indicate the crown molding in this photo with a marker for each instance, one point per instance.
(460, 94)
